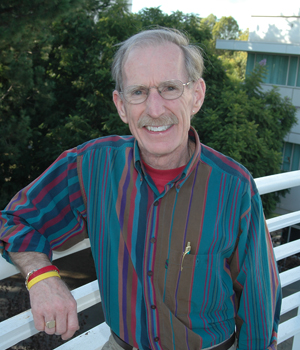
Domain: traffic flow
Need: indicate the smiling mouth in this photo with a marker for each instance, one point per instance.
(158, 128)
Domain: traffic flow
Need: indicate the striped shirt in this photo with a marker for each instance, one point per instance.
(154, 296)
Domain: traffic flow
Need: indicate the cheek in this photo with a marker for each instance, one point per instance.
(132, 124)
(186, 116)
(133, 112)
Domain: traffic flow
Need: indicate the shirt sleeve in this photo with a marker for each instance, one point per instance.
(255, 280)
(48, 214)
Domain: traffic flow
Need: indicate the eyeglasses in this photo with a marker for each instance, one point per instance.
(169, 90)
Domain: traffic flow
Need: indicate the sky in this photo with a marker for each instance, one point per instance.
(240, 10)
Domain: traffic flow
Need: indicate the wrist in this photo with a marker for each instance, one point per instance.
(38, 275)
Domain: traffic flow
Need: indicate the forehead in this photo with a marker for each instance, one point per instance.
(153, 64)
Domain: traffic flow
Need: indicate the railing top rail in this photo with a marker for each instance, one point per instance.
(287, 249)
(277, 182)
(282, 221)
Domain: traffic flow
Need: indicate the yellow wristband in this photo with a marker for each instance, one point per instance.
(42, 277)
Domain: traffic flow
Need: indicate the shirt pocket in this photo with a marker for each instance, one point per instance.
(201, 287)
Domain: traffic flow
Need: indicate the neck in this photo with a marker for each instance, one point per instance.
(165, 162)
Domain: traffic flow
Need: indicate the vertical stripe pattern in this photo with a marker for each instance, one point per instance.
(154, 296)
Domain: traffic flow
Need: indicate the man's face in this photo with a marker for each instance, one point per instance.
(160, 126)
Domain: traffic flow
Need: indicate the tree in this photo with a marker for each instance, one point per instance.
(226, 28)
(209, 21)
(28, 90)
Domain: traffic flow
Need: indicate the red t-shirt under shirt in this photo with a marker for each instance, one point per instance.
(162, 177)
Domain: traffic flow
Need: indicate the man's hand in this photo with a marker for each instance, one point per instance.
(50, 298)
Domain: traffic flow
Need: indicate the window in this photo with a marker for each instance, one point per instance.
(291, 157)
(281, 70)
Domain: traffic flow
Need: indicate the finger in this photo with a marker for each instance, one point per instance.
(50, 325)
(67, 320)
(61, 322)
(72, 325)
(39, 321)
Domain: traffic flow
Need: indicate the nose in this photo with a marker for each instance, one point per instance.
(154, 103)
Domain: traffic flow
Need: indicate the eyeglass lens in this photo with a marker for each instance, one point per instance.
(169, 90)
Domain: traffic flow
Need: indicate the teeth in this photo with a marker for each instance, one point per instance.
(158, 128)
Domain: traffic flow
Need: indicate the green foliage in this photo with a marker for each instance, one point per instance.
(209, 21)
(36, 95)
(226, 28)
(23, 89)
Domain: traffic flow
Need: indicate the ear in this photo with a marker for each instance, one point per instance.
(120, 105)
(199, 94)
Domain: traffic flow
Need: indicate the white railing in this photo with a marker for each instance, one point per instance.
(21, 326)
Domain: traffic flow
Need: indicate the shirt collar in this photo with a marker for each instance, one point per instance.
(194, 137)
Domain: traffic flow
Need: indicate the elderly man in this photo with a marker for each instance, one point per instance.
(183, 256)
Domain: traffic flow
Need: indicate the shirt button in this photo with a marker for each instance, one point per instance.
(152, 240)
(153, 307)
(156, 339)
(156, 203)
(150, 273)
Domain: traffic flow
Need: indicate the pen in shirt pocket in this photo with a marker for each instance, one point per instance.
(187, 251)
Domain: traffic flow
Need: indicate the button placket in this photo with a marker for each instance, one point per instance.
(151, 241)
